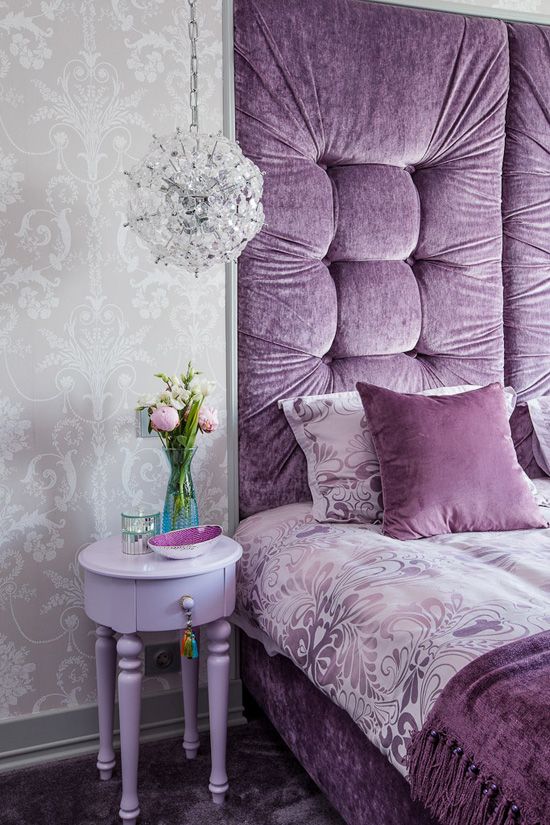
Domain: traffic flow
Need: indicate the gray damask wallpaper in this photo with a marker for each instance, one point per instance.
(85, 317)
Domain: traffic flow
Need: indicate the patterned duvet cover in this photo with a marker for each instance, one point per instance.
(381, 625)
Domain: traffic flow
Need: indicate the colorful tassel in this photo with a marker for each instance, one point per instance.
(189, 647)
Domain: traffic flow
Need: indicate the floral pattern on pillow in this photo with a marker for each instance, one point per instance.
(343, 469)
(342, 465)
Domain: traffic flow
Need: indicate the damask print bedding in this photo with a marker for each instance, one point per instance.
(381, 625)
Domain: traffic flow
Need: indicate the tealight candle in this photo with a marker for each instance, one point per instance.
(137, 529)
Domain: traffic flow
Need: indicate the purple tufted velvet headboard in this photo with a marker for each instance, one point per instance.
(381, 134)
(526, 213)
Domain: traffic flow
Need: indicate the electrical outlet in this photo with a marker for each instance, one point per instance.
(162, 658)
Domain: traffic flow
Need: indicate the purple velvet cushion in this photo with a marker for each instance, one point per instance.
(447, 463)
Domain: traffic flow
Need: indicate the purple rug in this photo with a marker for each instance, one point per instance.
(267, 787)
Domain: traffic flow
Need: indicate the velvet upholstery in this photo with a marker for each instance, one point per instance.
(522, 433)
(526, 224)
(447, 463)
(380, 131)
(493, 714)
(356, 777)
(365, 293)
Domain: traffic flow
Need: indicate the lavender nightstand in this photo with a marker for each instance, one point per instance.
(128, 594)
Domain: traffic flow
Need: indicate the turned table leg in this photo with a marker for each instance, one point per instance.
(129, 648)
(218, 695)
(190, 685)
(105, 658)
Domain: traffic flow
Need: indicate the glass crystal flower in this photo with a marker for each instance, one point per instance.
(195, 200)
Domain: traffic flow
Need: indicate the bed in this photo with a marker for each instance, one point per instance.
(406, 160)
(379, 626)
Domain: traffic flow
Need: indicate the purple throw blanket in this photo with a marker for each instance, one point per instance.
(483, 756)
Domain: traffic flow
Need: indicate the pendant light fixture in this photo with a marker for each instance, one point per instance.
(195, 199)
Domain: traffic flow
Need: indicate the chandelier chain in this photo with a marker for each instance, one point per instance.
(195, 199)
(194, 64)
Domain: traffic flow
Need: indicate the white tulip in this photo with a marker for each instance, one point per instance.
(180, 397)
(201, 386)
(147, 400)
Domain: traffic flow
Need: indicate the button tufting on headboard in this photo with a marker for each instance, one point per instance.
(378, 213)
(379, 308)
(380, 130)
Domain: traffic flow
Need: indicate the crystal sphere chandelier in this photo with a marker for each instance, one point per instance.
(195, 199)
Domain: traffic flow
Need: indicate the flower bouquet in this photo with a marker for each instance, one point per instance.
(177, 414)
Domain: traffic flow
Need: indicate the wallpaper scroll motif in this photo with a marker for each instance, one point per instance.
(86, 318)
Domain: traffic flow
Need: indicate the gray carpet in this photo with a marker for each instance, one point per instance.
(267, 787)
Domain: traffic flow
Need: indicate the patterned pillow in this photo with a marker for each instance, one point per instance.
(342, 465)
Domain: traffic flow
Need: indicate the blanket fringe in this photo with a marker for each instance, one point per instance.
(452, 786)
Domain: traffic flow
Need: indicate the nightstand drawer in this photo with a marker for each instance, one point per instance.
(157, 602)
(110, 602)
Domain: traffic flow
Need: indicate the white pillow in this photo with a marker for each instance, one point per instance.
(342, 465)
(541, 491)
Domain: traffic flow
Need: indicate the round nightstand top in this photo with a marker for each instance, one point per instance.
(106, 558)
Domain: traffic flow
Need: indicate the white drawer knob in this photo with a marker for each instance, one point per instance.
(187, 602)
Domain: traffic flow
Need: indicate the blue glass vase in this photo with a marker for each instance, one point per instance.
(180, 505)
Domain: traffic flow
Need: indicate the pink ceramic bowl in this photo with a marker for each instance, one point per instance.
(187, 543)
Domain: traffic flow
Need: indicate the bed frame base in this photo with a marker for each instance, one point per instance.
(357, 779)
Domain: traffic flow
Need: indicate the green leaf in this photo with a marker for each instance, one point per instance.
(191, 425)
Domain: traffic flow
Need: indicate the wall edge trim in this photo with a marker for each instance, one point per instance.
(230, 288)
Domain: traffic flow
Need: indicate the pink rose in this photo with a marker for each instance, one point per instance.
(208, 419)
(165, 419)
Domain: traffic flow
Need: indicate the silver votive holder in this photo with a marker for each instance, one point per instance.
(137, 528)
